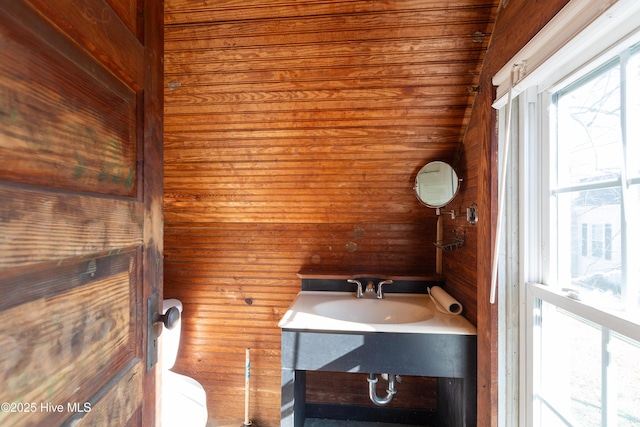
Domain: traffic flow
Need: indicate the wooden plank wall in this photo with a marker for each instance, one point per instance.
(468, 271)
(293, 133)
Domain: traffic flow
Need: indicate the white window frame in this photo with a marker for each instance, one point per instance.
(572, 41)
(537, 293)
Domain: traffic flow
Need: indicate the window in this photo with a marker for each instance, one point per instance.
(584, 324)
(576, 294)
(594, 180)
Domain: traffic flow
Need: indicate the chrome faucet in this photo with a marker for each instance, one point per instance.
(370, 291)
(380, 295)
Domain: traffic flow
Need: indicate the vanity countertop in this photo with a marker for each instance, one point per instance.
(304, 314)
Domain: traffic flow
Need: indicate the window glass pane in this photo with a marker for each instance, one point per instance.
(570, 370)
(589, 137)
(626, 383)
(592, 267)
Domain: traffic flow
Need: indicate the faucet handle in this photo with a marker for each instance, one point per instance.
(359, 290)
(380, 295)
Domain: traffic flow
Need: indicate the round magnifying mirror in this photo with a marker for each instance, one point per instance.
(436, 184)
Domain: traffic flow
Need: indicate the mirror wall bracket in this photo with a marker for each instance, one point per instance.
(471, 214)
(451, 212)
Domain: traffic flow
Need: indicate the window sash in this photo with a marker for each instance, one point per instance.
(607, 320)
(599, 245)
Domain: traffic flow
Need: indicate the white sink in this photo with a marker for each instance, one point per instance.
(396, 312)
(392, 310)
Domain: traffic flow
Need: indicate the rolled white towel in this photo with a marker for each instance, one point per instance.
(444, 302)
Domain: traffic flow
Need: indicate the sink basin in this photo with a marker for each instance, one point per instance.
(396, 312)
(387, 310)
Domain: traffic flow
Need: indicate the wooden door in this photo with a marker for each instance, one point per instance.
(80, 210)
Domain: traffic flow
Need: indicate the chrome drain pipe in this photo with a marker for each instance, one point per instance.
(391, 389)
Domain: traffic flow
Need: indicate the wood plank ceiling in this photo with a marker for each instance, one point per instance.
(293, 133)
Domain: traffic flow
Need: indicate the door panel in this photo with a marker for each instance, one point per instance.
(43, 226)
(65, 124)
(66, 346)
(80, 210)
(94, 26)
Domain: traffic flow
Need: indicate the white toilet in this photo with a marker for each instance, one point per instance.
(184, 401)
